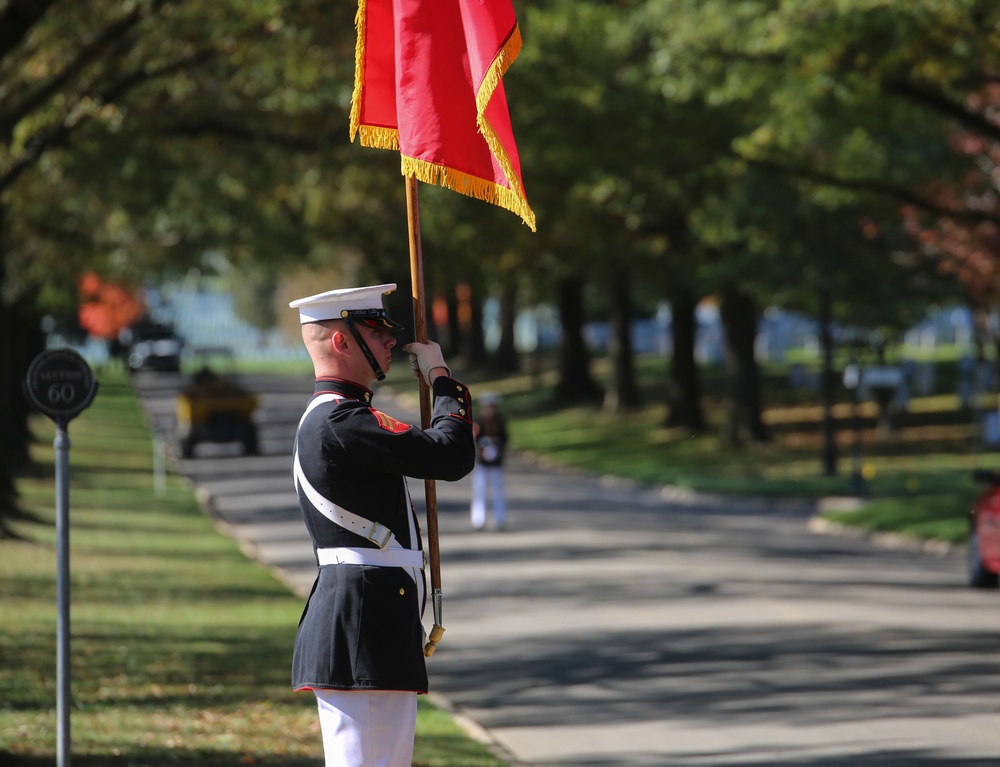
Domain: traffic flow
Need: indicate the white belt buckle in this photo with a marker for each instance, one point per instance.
(380, 531)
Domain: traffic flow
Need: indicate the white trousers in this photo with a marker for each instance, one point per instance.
(484, 480)
(367, 729)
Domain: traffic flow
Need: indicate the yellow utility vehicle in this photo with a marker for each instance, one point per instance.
(216, 407)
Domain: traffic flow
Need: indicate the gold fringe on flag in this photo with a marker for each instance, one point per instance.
(360, 22)
(469, 185)
(371, 135)
(504, 58)
(378, 138)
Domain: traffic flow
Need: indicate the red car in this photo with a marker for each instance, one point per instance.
(984, 533)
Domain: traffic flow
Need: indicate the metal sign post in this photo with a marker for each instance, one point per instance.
(60, 384)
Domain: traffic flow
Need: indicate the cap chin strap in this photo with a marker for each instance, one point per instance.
(379, 375)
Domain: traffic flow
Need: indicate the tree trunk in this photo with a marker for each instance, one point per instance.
(476, 337)
(8, 377)
(575, 382)
(21, 340)
(454, 348)
(743, 419)
(684, 385)
(8, 385)
(828, 384)
(506, 358)
(623, 394)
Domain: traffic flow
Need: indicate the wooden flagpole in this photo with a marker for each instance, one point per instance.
(420, 333)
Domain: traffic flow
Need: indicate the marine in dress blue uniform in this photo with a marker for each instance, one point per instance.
(360, 639)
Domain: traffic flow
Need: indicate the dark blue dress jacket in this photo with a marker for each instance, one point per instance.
(361, 628)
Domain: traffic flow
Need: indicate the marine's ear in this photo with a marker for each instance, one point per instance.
(339, 341)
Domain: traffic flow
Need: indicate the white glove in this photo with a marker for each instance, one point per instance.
(424, 358)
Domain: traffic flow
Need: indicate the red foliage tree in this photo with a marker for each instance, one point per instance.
(965, 232)
(107, 307)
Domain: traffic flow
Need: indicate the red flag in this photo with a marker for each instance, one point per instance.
(428, 83)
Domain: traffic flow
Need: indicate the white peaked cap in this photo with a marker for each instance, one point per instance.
(332, 304)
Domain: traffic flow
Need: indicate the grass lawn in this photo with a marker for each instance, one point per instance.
(181, 647)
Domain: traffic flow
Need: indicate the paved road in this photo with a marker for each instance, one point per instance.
(613, 627)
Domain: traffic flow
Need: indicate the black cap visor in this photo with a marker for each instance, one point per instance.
(373, 318)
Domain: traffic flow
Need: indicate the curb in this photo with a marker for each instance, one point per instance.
(898, 541)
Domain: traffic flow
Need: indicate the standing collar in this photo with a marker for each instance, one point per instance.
(345, 388)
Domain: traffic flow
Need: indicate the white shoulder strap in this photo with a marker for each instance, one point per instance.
(375, 532)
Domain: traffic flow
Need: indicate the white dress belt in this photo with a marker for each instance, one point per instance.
(345, 555)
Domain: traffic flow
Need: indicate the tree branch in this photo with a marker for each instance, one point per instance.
(244, 133)
(939, 102)
(142, 75)
(17, 19)
(881, 188)
(59, 133)
(86, 55)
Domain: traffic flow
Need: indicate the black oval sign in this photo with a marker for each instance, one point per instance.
(60, 383)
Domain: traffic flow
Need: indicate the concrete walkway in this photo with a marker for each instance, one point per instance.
(619, 626)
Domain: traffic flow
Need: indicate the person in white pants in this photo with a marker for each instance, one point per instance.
(490, 429)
